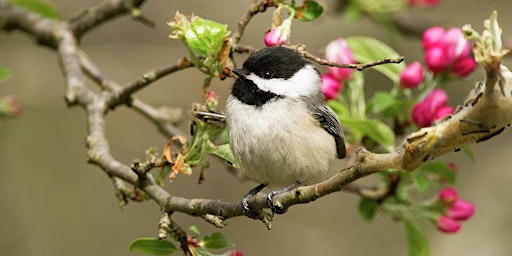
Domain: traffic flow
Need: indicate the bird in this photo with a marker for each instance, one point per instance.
(281, 132)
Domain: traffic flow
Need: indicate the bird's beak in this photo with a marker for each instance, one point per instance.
(239, 72)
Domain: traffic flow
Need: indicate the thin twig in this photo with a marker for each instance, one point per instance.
(147, 78)
(301, 50)
(253, 10)
(164, 118)
(106, 11)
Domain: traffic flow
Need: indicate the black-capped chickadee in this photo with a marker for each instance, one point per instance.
(281, 132)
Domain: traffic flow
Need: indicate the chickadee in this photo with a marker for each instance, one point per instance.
(281, 132)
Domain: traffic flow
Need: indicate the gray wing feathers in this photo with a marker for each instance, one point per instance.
(328, 120)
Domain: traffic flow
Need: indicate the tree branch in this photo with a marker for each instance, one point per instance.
(97, 15)
(485, 113)
(253, 10)
(147, 78)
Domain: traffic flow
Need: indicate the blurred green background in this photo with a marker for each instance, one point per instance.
(54, 203)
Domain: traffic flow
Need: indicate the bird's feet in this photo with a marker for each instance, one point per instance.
(245, 201)
(278, 208)
(274, 207)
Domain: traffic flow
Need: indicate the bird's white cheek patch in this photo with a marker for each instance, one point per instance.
(304, 83)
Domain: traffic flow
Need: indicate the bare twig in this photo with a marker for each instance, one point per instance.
(302, 51)
(147, 78)
(164, 118)
(253, 10)
(95, 16)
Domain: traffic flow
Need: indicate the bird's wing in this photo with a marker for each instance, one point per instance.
(329, 122)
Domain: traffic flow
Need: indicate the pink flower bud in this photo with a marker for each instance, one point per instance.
(423, 3)
(455, 45)
(432, 108)
(279, 35)
(211, 100)
(421, 115)
(463, 66)
(9, 106)
(454, 167)
(235, 253)
(212, 95)
(442, 112)
(339, 52)
(412, 75)
(330, 87)
(432, 37)
(436, 60)
(447, 225)
(460, 210)
(448, 195)
(436, 99)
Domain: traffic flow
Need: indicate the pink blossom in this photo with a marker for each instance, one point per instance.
(279, 35)
(463, 66)
(212, 95)
(432, 108)
(235, 253)
(412, 75)
(423, 3)
(460, 210)
(448, 196)
(442, 112)
(330, 87)
(339, 52)
(432, 36)
(436, 60)
(447, 51)
(447, 224)
(454, 167)
(211, 99)
(455, 45)
(9, 106)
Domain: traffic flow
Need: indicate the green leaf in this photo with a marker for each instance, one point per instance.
(387, 105)
(417, 242)
(194, 229)
(224, 152)
(309, 10)
(339, 108)
(441, 169)
(152, 246)
(374, 129)
(367, 208)
(4, 73)
(367, 49)
(380, 102)
(44, 8)
(353, 12)
(421, 183)
(467, 151)
(205, 37)
(215, 241)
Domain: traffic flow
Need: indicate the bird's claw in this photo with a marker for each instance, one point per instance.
(275, 207)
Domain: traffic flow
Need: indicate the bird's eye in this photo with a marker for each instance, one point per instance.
(268, 74)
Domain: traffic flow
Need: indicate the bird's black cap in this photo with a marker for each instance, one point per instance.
(279, 61)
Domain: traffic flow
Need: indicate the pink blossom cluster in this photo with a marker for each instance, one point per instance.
(447, 51)
(432, 108)
(337, 51)
(456, 210)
